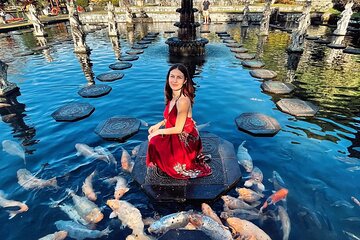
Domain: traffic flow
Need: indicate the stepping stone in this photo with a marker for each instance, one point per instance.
(336, 46)
(239, 50)
(245, 56)
(144, 42)
(322, 41)
(134, 52)
(224, 35)
(110, 77)
(277, 87)
(152, 33)
(73, 112)
(355, 51)
(234, 45)
(120, 65)
(297, 107)
(219, 33)
(129, 58)
(148, 38)
(94, 91)
(252, 64)
(229, 41)
(40, 48)
(226, 38)
(263, 74)
(170, 31)
(204, 31)
(23, 54)
(118, 128)
(226, 173)
(312, 37)
(184, 234)
(139, 46)
(257, 124)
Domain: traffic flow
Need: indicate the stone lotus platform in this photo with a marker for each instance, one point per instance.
(355, 51)
(234, 45)
(184, 234)
(94, 91)
(134, 51)
(277, 87)
(239, 50)
(257, 124)
(297, 107)
(252, 64)
(118, 128)
(226, 173)
(139, 46)
(110, 77)
(336, 46)
(129, 58)
(73, 112)
(245, 56)
(263, 74)
(120, 66)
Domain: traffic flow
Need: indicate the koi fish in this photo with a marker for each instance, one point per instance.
(28, 181)
(87, 187)
(231, 203)
(59, 235)
(11, 203)
(126, 163)
(207, 211)
(275, 197)
(249, 195)
(244, 158)
(285, 222)
(210, 227)
(80, 232)
(247, 229)
(355, 201)
(13, 148)
(171, 221)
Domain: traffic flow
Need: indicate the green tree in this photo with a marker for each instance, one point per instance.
(82, 3)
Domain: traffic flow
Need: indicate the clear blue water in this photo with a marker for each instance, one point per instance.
(315, 156)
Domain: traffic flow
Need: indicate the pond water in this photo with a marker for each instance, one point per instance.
(318, 157)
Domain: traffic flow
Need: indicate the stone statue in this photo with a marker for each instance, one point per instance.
(111, 20)
(345, 16)
(76, 30)
(265, 21)
(298, 36)
(86, 66)
(5, 86)
(128, 14)
(116, 46)
(34, 19)
(245, 20)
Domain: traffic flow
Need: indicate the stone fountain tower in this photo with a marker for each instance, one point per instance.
(186, 44)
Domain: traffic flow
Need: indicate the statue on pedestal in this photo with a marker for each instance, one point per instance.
(34, 19)
(5, 86)
(111, 20)
(345, 16)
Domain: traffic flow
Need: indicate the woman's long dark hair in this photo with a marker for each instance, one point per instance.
(187, 90)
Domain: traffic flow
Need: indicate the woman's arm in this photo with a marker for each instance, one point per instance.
(155, 127)
(183, 106)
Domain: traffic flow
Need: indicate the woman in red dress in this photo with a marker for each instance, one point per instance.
(177, 149)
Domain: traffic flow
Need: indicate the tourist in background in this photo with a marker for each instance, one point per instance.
(206, 14)
(177, 148)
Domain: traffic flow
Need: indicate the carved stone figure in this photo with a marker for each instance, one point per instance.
(245, 20)
(111, 20)
(345, 16)
(5, 86)
(265, 21)
(298, 36)
(34, 19)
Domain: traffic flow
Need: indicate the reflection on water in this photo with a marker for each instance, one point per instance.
(317, 157)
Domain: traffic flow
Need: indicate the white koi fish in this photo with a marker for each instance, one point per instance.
(29, 181)
(244, 158)
(87, 187)
(11, 203)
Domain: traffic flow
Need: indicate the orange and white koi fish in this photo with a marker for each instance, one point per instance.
(87, 187)
(207, 210)
(126, 163)
(11, 203)
(275, 197)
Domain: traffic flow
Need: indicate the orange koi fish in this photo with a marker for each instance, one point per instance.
(275, 197)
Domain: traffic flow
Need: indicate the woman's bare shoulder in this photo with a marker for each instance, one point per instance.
(184, 102)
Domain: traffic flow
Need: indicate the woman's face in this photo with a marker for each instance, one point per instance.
(176, 79)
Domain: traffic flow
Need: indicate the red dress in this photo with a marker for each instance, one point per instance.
(176, 154)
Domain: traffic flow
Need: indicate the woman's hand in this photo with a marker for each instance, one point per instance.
(154, 133)
(153, 128)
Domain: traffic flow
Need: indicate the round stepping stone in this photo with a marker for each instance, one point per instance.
(23, 54)
(94, 91)
(263, 74)
(219, 33)
(336, 46)
(170, 31)
(245, 56)
(252, 64)
(277, 87)
(139, 46)
(355, 51)
(129, 58)
(134, 52)
(118, 128)
(257, 124)
(144, 42)
(224, 35)
(153, 33)
(148, 38)
(120, 65)
(204, 31)
(234, 45)
(226, 38)
(239, 50)
(229, 41)
(110, 77)
(73, 112)
(297, 107)
(312, 37)
(322, 41)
